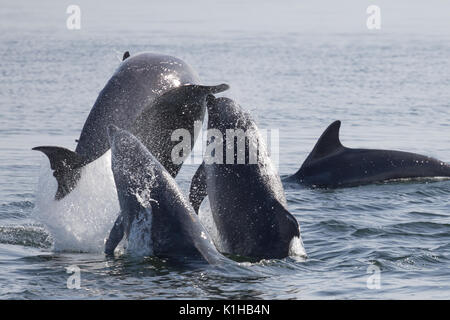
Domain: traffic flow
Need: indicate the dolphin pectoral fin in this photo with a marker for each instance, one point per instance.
(125, 55)
(290, 242)
(66, 165)
(197, 191)
(287, 224)
(115, 236)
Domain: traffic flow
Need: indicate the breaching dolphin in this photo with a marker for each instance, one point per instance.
(162, 89)
(178, 108)
(331, 165)
(156, 219)
(247, 199)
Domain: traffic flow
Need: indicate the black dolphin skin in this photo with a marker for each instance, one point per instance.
(331, 165)
(247, 200)
(150, 94)
(179, 108)
(155, 217)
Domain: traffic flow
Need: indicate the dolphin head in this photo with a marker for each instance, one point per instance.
(136, 175)
(224, 113)
(234, 129)
(129, 157)
(121, 142)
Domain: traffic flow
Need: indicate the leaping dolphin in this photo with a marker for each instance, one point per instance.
(247, 199)
(331, 165)
(155, 217)
(150, 94)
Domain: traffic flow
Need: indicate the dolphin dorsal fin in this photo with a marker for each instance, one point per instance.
(328, 143)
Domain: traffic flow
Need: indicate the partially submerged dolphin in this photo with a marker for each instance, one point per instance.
(150, 94)
(179, 108)
(155, 217)
(247, 200)
(331, 165)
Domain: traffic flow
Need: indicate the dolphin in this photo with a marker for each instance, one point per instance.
(178, 108)
(247, 199)
(156, 218)
(160, 88)
(331, 165)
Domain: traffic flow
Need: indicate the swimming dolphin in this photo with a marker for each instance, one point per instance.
(156, 218)
(147, 82)
(246, 196)
(331, 165)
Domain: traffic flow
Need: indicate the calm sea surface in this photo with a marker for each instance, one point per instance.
(297, 67)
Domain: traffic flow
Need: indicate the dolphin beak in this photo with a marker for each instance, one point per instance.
(112, 131)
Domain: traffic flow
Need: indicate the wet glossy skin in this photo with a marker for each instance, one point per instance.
(146, 189)
(331, 165)
(353, 167)
(247, 201)
(138, 81)
(178, 108)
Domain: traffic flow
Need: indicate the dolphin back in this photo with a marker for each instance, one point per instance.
(331, 165)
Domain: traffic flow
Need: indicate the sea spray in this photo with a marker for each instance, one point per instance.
(81, 221)
(297, 250)
(207, 220)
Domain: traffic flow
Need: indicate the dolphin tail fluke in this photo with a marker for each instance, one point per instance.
(210, 89)
(66, 166)
(197, 191)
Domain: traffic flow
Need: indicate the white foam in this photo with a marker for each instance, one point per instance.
(81, 221)
(207, 220)
(297, 250)
(140, 238)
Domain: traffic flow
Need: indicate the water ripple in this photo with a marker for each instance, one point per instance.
(32, 236)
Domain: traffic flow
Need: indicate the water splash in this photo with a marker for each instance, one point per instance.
(140, 239)
(297, 250)
(207, 220)
(81, 221)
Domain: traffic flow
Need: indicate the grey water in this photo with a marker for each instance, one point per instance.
(296, 66)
